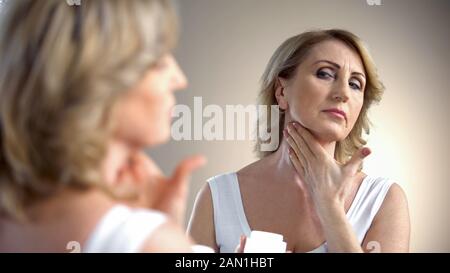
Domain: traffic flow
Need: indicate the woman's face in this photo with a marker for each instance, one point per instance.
(330, 77)
(144, 114)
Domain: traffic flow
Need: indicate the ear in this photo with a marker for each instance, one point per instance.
(280, 93)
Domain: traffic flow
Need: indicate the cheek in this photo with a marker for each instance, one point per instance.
(355, 110)
(305, 99)
(144, 117)
(155, 98)
(156, 106)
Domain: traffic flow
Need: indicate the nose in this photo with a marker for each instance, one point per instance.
(341, 92)
(179, 80)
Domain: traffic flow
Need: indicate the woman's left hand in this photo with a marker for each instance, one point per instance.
(328, 181)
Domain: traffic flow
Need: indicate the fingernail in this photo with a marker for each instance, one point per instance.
(366, 151)
(285, 133)
(296, 125)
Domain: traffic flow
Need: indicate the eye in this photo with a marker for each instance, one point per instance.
(356, 85)
(325, 73)
(161, 63)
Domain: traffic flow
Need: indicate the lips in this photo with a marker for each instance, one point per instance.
(337, 111)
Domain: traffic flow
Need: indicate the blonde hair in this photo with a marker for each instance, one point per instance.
(284, 63)
(62, 69)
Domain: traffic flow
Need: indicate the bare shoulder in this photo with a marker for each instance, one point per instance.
(201, 223)
(397, 192)
(203, 201)
(391, 225)
(169, 237)
(251, 171)
(395, 203)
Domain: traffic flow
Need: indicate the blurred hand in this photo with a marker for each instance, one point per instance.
(156, 191)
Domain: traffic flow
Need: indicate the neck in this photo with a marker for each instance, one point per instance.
(282, 164)
(283, 167)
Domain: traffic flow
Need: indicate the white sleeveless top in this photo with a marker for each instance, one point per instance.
(124, 230)
(230, 220)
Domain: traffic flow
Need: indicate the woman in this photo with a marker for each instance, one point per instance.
(311, 188)
(83, 90)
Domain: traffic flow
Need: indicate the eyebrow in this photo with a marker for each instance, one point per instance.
(339, 67)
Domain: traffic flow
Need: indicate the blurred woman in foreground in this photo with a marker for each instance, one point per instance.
(83, 90)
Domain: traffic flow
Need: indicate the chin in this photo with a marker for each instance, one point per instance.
(149, 138)
(158, 137)
(328, 133)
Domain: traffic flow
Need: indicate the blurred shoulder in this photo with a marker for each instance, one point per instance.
(168, 237)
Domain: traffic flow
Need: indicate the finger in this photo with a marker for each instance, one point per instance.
(310, 141)
(299, 154)
(303, 160)
(241, 246)
(144, 169)
(304, 155)
(290, 140)
(150, 166)
(125, 186)
(307, 152)
(355, 162)
(294, 148)
(297, 164)
(130, 173)
(293, 145)
(186, 167)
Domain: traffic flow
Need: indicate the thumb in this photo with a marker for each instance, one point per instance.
(357, 159)
(186, 167)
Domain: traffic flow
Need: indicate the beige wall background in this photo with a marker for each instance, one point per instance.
(225, 45)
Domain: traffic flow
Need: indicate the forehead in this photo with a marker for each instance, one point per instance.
(335, 51)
